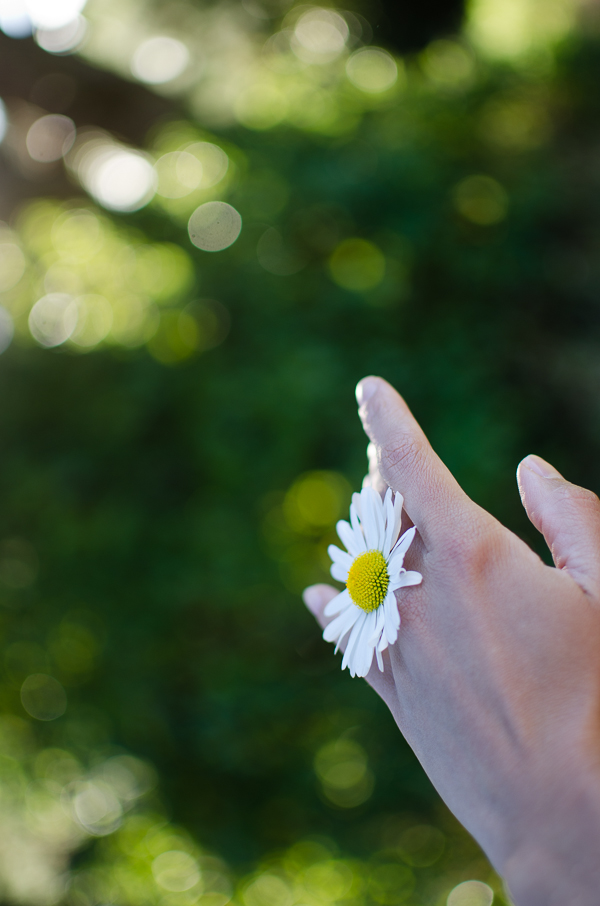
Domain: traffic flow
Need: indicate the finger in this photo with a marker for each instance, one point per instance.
(316, 598)
(567, 516)
(406, 461)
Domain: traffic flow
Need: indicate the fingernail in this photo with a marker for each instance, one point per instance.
(365, 390)
(540, 466)
(312, 598)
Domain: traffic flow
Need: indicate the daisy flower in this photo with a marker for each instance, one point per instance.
(372, 568)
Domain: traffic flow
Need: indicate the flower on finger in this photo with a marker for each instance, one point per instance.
(372, 566)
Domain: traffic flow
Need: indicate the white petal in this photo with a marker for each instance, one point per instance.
(339, 556)
(379, 659)
(372, 510)
(388, 512)
(339, 573)
(356, 505)
(406, 578)
(399, 552)
(357, 529)
(379, 624)
(392, 618)
(347, 537)
(383, 643)
(354, 635)
(342, 624)
(398, 504)
(366, 661)
(339, 603)
(362, 654)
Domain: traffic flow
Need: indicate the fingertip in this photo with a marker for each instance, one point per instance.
(539, 466)
(366, 389)
(316, 597)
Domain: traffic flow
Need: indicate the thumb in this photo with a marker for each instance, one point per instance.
(567, 516)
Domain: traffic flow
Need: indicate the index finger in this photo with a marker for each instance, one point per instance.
(407, 462)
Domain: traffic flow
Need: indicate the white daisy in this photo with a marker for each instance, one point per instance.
(372, 568)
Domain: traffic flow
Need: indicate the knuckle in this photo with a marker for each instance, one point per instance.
(474, 554)
(581, 498)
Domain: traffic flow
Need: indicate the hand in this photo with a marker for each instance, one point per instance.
(495, 677)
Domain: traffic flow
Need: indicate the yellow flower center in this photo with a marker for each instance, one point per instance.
(368, 580)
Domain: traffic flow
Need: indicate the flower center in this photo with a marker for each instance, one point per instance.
(368, 580)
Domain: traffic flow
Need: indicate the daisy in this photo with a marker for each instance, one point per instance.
(372, 568)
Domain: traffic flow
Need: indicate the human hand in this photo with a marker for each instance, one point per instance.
(495, 677)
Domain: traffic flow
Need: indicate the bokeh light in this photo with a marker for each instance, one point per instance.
(54, 14)
(471, 893)
(50, 138)
(176, 871)
(7, 329)
(178, 174)
(66, 39)
(481, 199)
(118, 178)
(372, 69)
(160, 59)
(320, 35)
(53, 319)
(14, 18)
(3, 120)
(357, 264)
(43, 697)
(214, 226)
(342, 768)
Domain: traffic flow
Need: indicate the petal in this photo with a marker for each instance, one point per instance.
(398, 504)
(372, 510)
(392, 618)
(379, 659)
(357, 528)
(406, 578)
(339, 573)
(388, 510)
(362, 655)
(366, 661)
(339, 603)
(398, 553)
(356, 505)
(342, 624)
(347, 537)
(354, 635)
(339, 556)
(379, 624)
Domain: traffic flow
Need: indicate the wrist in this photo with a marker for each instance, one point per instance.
(556, 861)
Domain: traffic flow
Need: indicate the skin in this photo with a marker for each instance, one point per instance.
(495, 677)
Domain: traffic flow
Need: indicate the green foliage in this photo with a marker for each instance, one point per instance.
(164, 504)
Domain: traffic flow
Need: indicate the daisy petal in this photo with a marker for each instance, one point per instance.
(398, 504)
(342, 624)
(372, 511)
(339, 573)
(388, 512)
(339, 603)
(366, 661)
(356, 505)
(354, 636)
(363, 652)
(379, 624)
(399, 551)
(408, 577)
(392, 618)
(357, 528)
(379, 659)
(347, 537)
(339, 556)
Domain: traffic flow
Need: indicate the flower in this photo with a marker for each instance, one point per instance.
(372, 568)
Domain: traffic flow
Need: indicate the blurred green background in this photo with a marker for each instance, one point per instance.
(217, 217)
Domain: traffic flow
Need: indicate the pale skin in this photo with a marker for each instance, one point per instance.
(495, 677)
